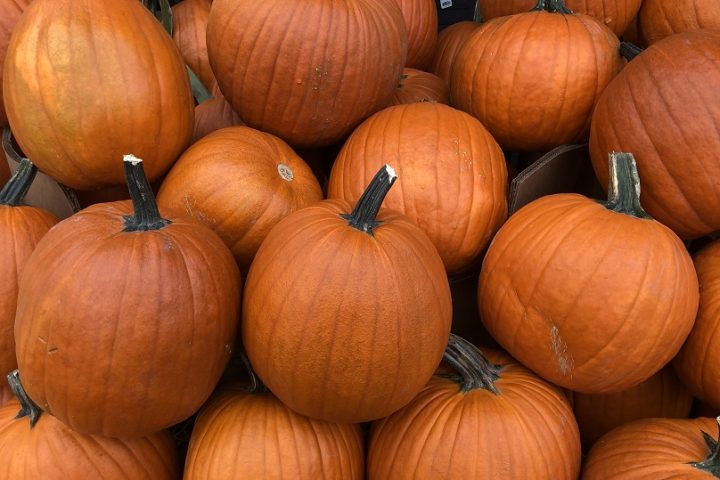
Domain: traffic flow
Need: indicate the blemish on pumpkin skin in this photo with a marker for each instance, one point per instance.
(42, 340)
(53, 350)
(565, 361)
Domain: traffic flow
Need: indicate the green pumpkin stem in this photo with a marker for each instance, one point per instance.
(624, 186)
(552, 6)
(147, 216)
(474, 369)
(711, 464)
(477, 14)
(366, 209)
(28, 408)
(14, 191)
(256, 385)
(629, 50)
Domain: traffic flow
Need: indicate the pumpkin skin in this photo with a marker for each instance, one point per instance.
(380, 309)
(6, 396)
(300, 85)
(275, 442)
(418, 86)
(661, 18)
(111, 364)
(450, 40)
(656, 448)
(263, 180)
(10, 11)
(663, 396)
(596, 319)
(421, 22)
(447, 164)
(545, 71)
(190, 18)
(212, 115)
(697, 361)
(73, 62)
(664, 104)
(527, 430)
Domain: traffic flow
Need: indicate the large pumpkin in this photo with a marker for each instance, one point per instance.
(421, 22)
(240, 182)
(664, 107)
(307, 71)
(21, 228)
(661, 18)
(125, 319)
(595, 297)
(495, 420)
(86, 82)
(10, 11)
(452, 175)
(346, 312)
(190, 18)
(533, 78)
(449, 42)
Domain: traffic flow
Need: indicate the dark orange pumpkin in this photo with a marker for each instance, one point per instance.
(661, 18)
(45, 448)
(495, 420)
(21, 228)
(10, 11)
(86, 82)
(346, 315)
(125, 320)
(664, 107)
(421, 22)
(214, 114)
(306, 71)
(657, 449)
(190, 18)
(595, 297)
(533, 78)
(6, 395)
(240, 182)
(449, 42)
(418, 86)
(453, 179)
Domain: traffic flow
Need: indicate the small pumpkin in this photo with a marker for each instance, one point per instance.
(661, 18)
(10, 11)
(594, 297)
(190, 18)
(493, 419)
(214, 114)
(125, 319)
(346, 311)
(418, 86)
(449, 42)
(421, 22)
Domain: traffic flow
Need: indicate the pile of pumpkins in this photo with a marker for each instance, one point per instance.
(282, 193)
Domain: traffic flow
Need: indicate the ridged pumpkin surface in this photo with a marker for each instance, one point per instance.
(421, 21)
(418, 86)
(661, 18)
(87, 82)
(452, 178)
(10, 11)
(307, 71)
(190, 18)
(212, 115)
(242, 435)
(449, 42)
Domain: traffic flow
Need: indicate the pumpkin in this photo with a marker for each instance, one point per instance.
(41, 446)
(275, 441)
(21, 228)
(306, 71)
(657, 448)
(421, 22)
(531, 101)
(214, 114)
(594, 297)
(494, 419)
(661, 18)
(126, 319)
(449, 42)
(662, 395)
(240, 182)
(697, 361)
(453, 179)
(346, 312)
(664, 107)
(10, 11)
(190, 19)
(418, 86)
(6, 395)
(86, 82)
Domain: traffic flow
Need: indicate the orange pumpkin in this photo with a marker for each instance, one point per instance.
(10, 11)
(190, 18)
(86, 82)
(594, 297)
(6, 395)
(421, 22)
(661, 18)
(346, 315)
(418, 86)
(449, 42)
(214, 114)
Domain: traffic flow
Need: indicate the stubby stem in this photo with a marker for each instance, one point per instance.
(477, 14)
(28, 408)
(366, 209)
(147, 216)
(552, 6)
(711, 464)
(629, 50)
(14, 191)
(474, 369)
(624, 186)
(256, 385)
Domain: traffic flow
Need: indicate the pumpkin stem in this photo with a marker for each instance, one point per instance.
(367, 208)
(28, 408)
(552, 6)
(474, 369)
(711, 464)
(477, 14)
(629, 50)
(624, 186)
(256, 385)
(14, 191)
(147, 216)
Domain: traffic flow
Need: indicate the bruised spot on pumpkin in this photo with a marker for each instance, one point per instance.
(53, 350)
(565, 361)
(42, 340)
